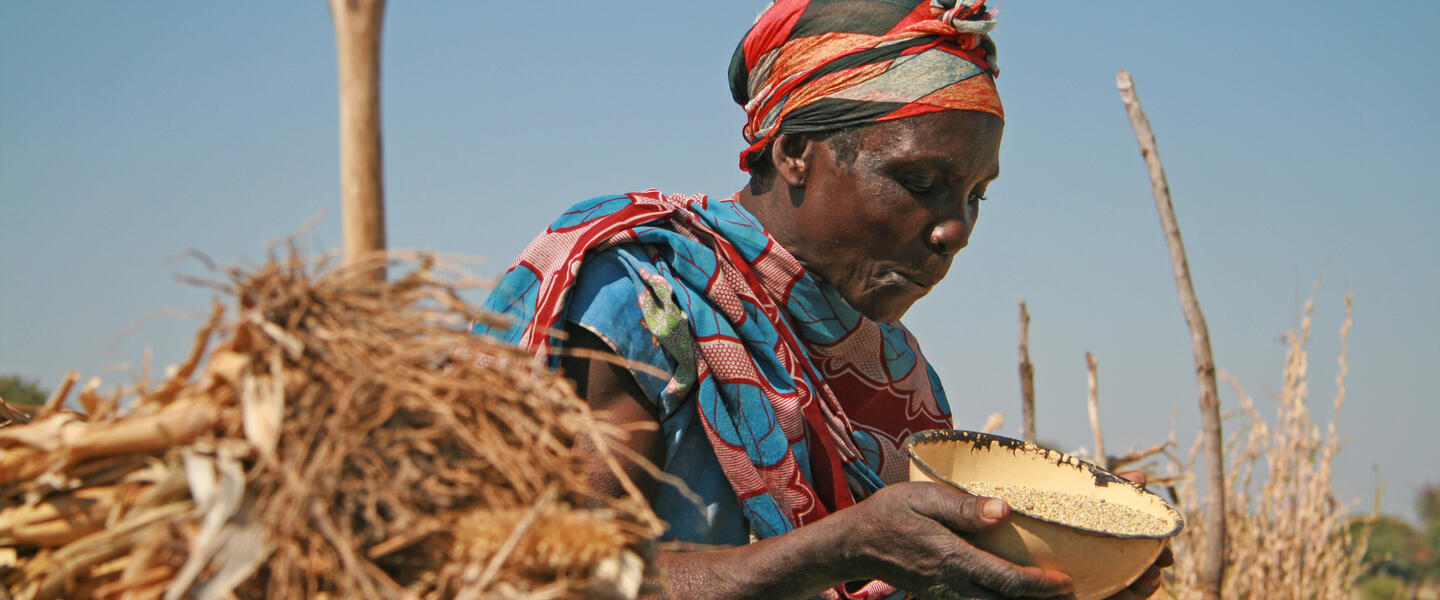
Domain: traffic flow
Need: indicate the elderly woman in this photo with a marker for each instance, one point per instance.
(762, 331)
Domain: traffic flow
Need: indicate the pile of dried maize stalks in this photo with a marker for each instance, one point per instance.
(344, 438)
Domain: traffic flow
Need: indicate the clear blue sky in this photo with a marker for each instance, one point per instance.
(1300, 139)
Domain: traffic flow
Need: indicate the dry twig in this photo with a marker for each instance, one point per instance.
(1288, 536)
(1027, 375)
(1213, 570)
(1092, 403)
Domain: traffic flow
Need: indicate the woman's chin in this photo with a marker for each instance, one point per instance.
(887, 305)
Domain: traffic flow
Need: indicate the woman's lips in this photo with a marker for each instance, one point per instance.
(917, 280)
(920, 282)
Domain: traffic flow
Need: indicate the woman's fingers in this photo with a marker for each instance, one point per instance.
(970, 572)
(1136, 477)
(942, 592)
(1166, 558)
(1150, 581)
(1005, 578)
(1147, 584)
(957, 510)
(916, 532)
(963, 513)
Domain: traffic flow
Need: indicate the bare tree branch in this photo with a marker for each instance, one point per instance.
(1212, 573)
(1092, 401)
(1027, 375)
(1135, 456)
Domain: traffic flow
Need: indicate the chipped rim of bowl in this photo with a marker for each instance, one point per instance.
(1102, 477)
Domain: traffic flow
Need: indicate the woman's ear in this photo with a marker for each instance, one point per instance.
(791, 154)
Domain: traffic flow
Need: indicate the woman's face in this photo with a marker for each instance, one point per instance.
(884, 228)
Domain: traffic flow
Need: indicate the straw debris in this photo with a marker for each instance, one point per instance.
(343, 438)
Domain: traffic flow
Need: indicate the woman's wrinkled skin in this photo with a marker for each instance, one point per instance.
(882, 226)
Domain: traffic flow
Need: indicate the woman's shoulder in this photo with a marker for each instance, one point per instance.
(587, 211)
(621, 298)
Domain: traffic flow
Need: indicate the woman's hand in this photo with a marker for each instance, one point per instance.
(910, 535)
(1149, 582)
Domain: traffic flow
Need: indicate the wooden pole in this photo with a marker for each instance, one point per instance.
(1027, 375)
(1092, 401)
(362, 189)
(1212, 566)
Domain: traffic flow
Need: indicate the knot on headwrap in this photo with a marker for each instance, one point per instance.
(819, 65)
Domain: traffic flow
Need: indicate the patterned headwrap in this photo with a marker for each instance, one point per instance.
(819, 65)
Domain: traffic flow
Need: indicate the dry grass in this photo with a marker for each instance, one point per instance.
(1285, 529)
(344, 438)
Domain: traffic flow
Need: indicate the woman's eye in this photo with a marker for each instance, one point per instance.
(977, 198)
(918, 185)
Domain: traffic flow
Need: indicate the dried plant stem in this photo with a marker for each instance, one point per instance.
(57, 400)
(1092, 401)
(197, 353)
(513, 540)
(362, 191)
(1212, 574)
(1135, 456)
(993, 423)
(13, 414)
(1027, 375)
(319, 452)
(1288, 536)
(79, 441)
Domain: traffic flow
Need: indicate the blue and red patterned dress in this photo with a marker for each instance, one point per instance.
(780, 403)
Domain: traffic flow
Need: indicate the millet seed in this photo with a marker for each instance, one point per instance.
(1094, 514)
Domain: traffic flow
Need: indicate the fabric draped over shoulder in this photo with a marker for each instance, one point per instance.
(805, 402)
(820, 65)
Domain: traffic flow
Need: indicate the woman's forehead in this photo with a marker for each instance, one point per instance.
(949, 139)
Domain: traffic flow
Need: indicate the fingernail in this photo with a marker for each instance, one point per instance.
(994, 508)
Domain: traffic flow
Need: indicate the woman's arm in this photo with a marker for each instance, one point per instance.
(906, 534)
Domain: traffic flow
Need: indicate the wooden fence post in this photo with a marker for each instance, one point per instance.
(1212, 567)
(362, 188)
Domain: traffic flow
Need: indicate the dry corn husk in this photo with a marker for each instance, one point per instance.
(331, 444)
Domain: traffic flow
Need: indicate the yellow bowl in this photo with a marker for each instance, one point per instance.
(1100, 563)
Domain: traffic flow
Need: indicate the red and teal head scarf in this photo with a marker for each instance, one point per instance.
(820, 65)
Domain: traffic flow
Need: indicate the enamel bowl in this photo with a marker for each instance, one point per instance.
(1100, 563)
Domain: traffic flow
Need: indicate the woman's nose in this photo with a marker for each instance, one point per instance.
(951, 235)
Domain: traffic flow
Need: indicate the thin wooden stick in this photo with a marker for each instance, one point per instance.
(57, 400)
(90, 401)
(1027, 375)
(13, 414)
(362, 191)
(1092, 401)
(1135, 456)
(103, 545)
(1212, 569)
(58, 520)
(993, 423)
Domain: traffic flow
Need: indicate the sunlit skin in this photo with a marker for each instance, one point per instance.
(884, 227)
